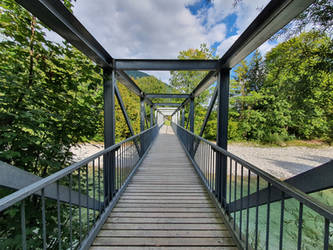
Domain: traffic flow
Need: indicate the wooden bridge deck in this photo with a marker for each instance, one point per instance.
(165, 206)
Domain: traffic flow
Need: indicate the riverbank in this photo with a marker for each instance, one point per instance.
(281, 162)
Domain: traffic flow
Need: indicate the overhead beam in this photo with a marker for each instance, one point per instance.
(165, 64)
(131, 85)
(58, 18)
(16, 178)
(167, 104)
(313, 180)
(271, 19)
(204, 83)
(167, 95)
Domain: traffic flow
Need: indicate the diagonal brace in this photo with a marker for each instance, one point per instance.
(313, 180)
(209, 111)
(122, 107)
(16, 178)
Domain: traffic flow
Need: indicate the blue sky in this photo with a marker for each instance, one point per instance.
(160, 28)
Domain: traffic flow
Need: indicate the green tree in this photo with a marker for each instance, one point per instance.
(186, 81)
(50, 96)
(319, 15)
(299, 72)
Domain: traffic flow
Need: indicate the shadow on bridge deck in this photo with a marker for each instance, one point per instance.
(165, 206)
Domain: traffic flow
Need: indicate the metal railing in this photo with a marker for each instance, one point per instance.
(66, 209)
(262, 211)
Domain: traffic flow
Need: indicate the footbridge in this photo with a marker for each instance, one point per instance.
(165, 187)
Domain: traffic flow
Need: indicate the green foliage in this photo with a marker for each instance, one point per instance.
(319, 14)
(50, 100)
(186, 81)
(46, 91)
(289, 94)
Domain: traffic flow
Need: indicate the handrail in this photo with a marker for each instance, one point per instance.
(233, 192)
(287, 188)
(19, 195)
(88, 179)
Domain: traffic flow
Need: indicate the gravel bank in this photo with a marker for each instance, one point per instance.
(282, 162)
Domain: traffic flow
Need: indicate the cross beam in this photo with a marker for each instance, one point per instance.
(165, 64)
(167, 104)
(167, 95)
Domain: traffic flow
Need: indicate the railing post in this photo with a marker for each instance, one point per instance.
(191, 120)
(191, 115)
(142, 114)
(142, 124)
(222, 134)
(109, 133)
(183, 118)
(151, 116)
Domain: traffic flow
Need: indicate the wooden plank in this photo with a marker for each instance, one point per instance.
(165, 205)
(165, 209)
(165, 194)
(164, 197)
(102, 241)
(161, 201)
(164, 215)
(179, 226)
(164, 233)
(165, 220)
(151, 185)
(163, 190)
(162, 248)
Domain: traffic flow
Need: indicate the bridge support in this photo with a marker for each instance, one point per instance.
(183, 118)
(191, 115)
(191, 121)
(142, 122)
(142, 114)
(222, 134)
(151, 116)
(109, 132)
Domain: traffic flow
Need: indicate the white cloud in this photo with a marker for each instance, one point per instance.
(160, 28)
(146, 29)
(225, 45)
(245, 12)
(143, 29)
(266, 47)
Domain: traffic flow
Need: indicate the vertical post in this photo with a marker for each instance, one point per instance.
(151, 116)
(191, 121)
(156, 120)
(183, 118)
(222, 134)
(109, 132)
(191, 115)
(142, 114)
(142, 124)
